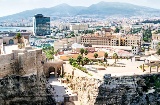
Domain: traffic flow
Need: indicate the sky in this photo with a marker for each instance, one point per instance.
(8, 7)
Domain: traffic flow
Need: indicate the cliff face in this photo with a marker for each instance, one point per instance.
(132, 90)
(22, 90)
(126, 90)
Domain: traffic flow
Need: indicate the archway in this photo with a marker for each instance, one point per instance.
(11, 41)
(54, 71)
(51, 70)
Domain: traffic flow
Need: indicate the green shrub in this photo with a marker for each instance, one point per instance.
(140, 66)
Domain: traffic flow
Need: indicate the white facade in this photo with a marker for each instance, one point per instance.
(135, 49)
(79, 27)
(154, 44)
(1, 46)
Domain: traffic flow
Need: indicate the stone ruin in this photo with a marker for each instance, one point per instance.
(85, 88)
(22, 79)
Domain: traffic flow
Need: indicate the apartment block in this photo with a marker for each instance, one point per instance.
(154, 44)
(131, 40)
(155, 40)
(111, 40)
(155, 36)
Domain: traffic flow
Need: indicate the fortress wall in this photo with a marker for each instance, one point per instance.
(6, 69)
(30, 61)
(5, 64)
(6, 58)
(18, 51)
(39, 60)
(44, 57)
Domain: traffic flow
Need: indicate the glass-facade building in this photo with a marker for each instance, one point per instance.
(41, 25)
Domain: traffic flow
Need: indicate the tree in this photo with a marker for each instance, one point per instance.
(115, 56)
(158, 48)
(71, 61)
(95, 55)
(86, 60)
(81, 51)
(49, 51)
(105, 57)
(117, 30)
(49, 56)
(18, 37)
(79, 59)
(85, 52)
(158, 51)
(147, 35)
(74, 64)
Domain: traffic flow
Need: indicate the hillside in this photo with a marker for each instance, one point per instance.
(99, 9)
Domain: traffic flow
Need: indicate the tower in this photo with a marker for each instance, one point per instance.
(41, 25)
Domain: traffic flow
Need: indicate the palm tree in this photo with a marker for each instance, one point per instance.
(115, 56)
(79, 59)
(71, 61)
(105, 57)
(81, 51)
(86, 60)
(18, 37)
(85, 52)
(95, 55)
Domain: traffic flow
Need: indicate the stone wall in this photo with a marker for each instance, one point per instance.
(22, 79)
(28, 60)
(5, 64)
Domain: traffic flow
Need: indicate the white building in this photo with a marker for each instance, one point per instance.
(135, 49)
(154, 44)
(78, 27)
(1, 45)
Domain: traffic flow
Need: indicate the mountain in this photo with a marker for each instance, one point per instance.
(116, 8)
(59, 10)
(99, 9)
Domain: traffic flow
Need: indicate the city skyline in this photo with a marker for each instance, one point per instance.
(9, 7)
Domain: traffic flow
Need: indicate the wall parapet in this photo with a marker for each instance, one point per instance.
(27, 59)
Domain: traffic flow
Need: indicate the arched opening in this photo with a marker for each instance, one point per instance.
(11, 41)
(51, 71)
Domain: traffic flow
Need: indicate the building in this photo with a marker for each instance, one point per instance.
(66, 43)
(41, 25)
(155, 40)
(111, 39)
(155, 36)
(131, 40)
(154, 44)
(96, 39)
(1, 45)
(40, 42)
(135, 49)
(75, 27)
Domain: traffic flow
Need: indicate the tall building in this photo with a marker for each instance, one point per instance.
(41, 25)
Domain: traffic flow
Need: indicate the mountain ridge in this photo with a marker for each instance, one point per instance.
(99, 9)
